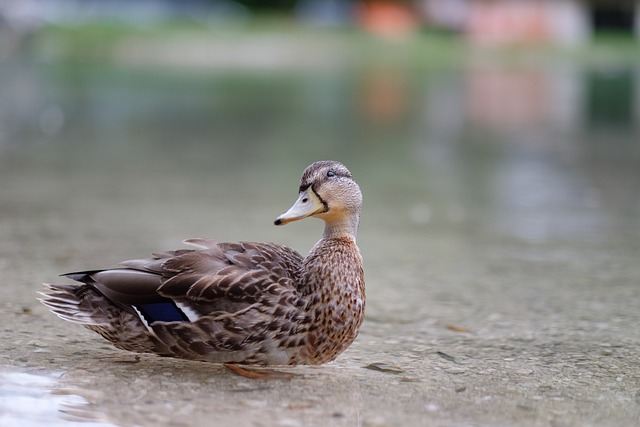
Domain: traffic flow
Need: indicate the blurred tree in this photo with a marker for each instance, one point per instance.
(274, 5)
(614, 17)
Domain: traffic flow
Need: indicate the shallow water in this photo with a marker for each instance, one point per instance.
(500, 234)
(34, 400)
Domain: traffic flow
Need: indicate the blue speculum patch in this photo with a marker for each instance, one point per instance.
(161, 312)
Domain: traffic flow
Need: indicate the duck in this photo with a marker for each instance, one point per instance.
(246, 303)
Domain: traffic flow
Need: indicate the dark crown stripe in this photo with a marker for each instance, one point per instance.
(303, 187)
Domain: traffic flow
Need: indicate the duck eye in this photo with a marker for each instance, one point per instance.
(330, 173)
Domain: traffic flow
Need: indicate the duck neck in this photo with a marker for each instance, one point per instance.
(345, 227)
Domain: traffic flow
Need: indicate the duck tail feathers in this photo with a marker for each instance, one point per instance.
(74, 303)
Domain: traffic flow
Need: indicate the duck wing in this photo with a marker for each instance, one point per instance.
(216, 278)
(236, 273)
(220, 302)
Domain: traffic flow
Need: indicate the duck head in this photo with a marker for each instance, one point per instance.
(327, 191)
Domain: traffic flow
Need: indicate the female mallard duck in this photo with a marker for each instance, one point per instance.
(254, 303)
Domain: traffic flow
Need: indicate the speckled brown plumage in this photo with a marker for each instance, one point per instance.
(258, 303)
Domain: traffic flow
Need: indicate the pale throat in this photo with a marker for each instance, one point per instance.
(343, 226)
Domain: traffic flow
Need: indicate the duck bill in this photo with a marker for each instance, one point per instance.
(308, 204)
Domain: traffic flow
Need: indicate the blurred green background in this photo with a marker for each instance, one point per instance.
(446, 118)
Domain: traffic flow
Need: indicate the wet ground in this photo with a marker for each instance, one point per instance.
(501, 236)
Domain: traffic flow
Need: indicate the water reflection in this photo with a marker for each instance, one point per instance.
(612, 99)
(167, 393)
(31, 400)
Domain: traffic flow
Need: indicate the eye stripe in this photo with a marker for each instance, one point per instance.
(303, 187)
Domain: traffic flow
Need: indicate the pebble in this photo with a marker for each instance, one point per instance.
(431, 407)
(255, 403)
(455, 371)
(384, 367)
(375, 421)
(289, 422)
